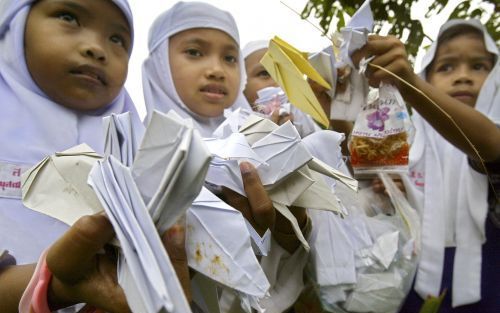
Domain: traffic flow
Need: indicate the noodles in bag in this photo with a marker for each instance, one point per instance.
(382, 134)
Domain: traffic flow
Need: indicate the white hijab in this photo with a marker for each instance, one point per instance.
(159, 88)
(32, 126)
(253, 46)
(454, 201)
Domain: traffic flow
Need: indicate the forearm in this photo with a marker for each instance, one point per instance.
(13, 282)
(480, 130)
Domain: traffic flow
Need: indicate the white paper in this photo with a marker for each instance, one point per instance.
(177, 163)
(143, 252)
(121, 139)
(283, 151)
(218, 246)
(57, 185)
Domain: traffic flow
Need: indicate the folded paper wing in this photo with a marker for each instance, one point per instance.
(170, 169)
(290, 69)
(57, 185)
(218, 245)
(121, 139)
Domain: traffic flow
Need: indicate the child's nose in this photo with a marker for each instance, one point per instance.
(216, 71)
(95, 51)
(463, 75)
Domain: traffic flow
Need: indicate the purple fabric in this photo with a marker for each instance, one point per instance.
(32, 126)
(490, 280)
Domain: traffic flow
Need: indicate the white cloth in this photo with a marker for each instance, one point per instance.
(253, 46)
(32, 126)
(159, 88)
(450, 195)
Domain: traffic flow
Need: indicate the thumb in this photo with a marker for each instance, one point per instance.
(70, 257)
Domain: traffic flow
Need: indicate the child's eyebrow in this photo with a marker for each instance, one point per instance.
(120, 27)
(201, 41)
(83, 10)
(73, 5)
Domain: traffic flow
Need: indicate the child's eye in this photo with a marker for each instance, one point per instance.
(481, 67)
(263, 73)
(445, 68)
(119, 40)
(193, 52)
(231, 59)
(68, 17)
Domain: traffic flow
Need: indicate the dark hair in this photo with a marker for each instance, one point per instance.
(456, 31)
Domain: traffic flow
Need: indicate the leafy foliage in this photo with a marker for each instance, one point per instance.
(398, 15)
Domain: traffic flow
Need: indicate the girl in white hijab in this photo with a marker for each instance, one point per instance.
(62, 68)
(461, 75)
(195, 68)
(219, 88)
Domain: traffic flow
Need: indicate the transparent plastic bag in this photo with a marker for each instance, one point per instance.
(382, 134)
(271, 99)
(385, 263)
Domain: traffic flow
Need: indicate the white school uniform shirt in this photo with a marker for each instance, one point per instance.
(450, 195)
(159, 89)
(32, 127)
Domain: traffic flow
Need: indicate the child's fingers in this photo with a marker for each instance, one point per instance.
(174, 242)
(275, 116)
(238, 202)
(262, 208)
(70, 257)
(285, 118)
(377, 46)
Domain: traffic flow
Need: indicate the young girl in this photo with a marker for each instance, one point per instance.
(446, 183)
(195, 68)
(203, 91)
(62, 68)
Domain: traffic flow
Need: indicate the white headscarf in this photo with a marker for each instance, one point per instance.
(454, 201)
(159, 88)
(253, 46)
(32, 126)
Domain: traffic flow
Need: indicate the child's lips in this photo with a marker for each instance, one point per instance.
(463, 95)
(214, 92)
(90, 73)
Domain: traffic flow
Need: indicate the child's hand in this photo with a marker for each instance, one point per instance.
(174, 240)
(390, 53)
(83, 275)
(258, 208)
(80, 273)
(281, 119)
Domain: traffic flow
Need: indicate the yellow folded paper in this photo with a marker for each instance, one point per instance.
(290, 69)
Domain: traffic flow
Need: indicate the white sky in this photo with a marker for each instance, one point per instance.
(257, 19)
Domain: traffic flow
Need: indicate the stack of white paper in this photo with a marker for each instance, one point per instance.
(120, 138)
(144, 272)
(286, 168)
(169, 168)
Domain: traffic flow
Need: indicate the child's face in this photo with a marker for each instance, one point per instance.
(205, 69)
(257, 76)
(77, 51)
(460, 67)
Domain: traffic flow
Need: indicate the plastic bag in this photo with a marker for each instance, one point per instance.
(271, 99)
(386, 246)
(382, 135)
